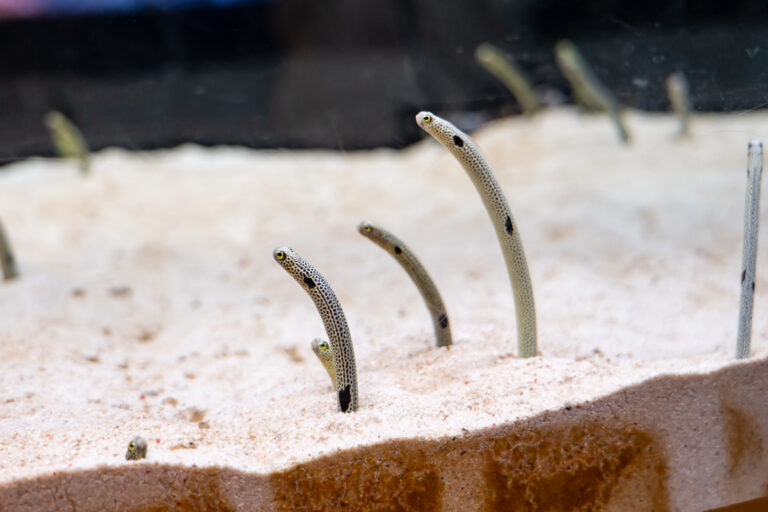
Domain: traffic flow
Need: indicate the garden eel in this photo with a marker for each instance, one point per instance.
(68, 139)
(751, 218)
(418, 274)
(465, 151)
(333, 320)
(137, 449)
(324, 353)
(677, 90)
(510, 74)
(7, 261)
(587, 89)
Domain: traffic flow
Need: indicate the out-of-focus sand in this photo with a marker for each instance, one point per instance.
(149, 303)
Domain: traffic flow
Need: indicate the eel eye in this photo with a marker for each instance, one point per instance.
(323, 345)
(280, 255)
(131, 446)
(427, 118)
(367, 228)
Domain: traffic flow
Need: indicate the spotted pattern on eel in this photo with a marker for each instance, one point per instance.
(749, 252)
(333, 319)
(407, 259)
(465, 151)
(137, 449)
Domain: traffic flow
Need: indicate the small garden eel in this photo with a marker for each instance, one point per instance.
(137, 449)
(333, 320)
(7, 261)
(68, 140)
(749, 254)
(510, 74)
(587, 89)
(679, 99)
(418, 274)
(465, 151)
(324, 353)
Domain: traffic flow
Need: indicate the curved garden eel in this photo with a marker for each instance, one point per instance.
(749, 253)
(465, 151)
(68, 139)
(418, 274)
(510, 74)
(333, 319)
(324, 353)
(586, 87)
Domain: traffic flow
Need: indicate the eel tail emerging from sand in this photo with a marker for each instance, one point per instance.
(324, 353)
(587, 89)
(7, 261)
(333, 319)
(749, 255)
(677, 91)
(418, 274)
(494, 61)
(68, 140)
(465, 151)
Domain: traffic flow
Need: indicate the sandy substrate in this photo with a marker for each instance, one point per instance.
(149, 304)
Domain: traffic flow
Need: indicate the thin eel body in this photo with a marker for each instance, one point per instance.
(749, 255)
(510, 74)
(68, 139)
(398, 250)
(465, 151)
(333, 319)
(7, 261)
(324, 353)
(587, 89)
(677, 91)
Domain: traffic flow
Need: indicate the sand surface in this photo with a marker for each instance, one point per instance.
(149, 303)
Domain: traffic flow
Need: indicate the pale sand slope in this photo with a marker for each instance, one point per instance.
(635, 255)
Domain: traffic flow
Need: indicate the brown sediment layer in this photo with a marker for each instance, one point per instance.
(517, 467)
(608, 454)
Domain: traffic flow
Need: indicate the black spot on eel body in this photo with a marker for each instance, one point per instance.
(508, 225)
(457, 140)
(743, 275)
(398, 250)
(309, 282)
(443, 320)
(345, 397)
(753, 286)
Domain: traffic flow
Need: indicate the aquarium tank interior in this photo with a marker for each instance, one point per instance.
(300, 74)
(395, 255)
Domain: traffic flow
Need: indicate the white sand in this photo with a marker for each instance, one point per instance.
(634, 253)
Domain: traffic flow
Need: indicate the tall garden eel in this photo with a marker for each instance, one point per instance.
(418, 274)
(333, 319)
(465, 151)
(749, 254)
(324, 353)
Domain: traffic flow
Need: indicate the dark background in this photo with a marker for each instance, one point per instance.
(351, 74)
